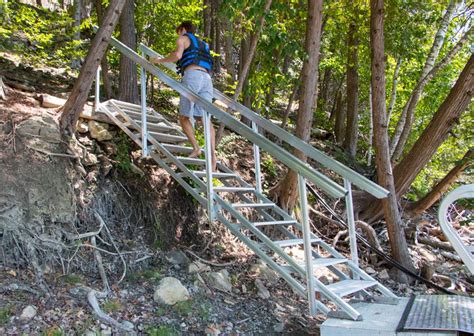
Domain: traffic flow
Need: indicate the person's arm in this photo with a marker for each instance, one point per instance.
(175, 55)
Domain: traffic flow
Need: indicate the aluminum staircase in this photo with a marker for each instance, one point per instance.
(243, 208)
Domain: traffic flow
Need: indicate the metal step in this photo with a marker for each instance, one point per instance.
(347, 287)
(293, 242)
(201, 173)
(178, 149)
(253, 205)
(233, 189)
(163, 137)
(161, 127)
(138, 116)
(282, 222)
(317, 263)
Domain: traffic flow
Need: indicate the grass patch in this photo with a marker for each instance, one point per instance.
(163, 330)
(183, 308)
(5, 314)
(72, 279)
(111, 306)
(148, 274)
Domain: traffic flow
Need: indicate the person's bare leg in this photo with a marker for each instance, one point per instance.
(213, 144)
(189, 131)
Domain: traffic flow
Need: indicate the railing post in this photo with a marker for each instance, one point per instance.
(351, 222)
(143, 105)
(307, 244)
(97, 89)
(256, 155)
(211, 210)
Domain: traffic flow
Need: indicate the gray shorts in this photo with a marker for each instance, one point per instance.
(201, 83)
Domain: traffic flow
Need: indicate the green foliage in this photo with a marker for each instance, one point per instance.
(5, 314)
(72, 279)
(163, 330)
(269, 166)
(39, 35)
(122, 157)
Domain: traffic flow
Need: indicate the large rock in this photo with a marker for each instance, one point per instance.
(99, 131)
(261, 270)
(28, 313)
(170, 291)
(219, 280)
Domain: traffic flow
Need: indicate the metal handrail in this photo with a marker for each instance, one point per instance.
(355, 178)
(330, 187)
(465, 191)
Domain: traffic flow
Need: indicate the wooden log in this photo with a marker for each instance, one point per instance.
(436, 243)
(51, 101)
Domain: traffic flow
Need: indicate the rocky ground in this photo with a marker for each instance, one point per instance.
(183, 275)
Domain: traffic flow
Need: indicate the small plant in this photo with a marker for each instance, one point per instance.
(54, 332)
(5, 314)
(123, 153)
(163, 330)
(72, 279)
(269, 165)
(160, 311)
(111, 306)
(183, 307)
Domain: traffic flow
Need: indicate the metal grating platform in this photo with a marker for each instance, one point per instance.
(440, 312)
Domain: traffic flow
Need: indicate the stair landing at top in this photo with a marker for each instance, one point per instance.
(379, 319)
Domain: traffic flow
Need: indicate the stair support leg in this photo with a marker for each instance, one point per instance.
(143, 102)
(310, 286)
(256, 155)
(97, 90)
(211, 207)
(351, 225)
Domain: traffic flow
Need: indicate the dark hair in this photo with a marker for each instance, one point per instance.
(188, 25)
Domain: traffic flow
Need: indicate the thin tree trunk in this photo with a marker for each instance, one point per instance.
(410, 105)
(371, 130)
(104, 64)
(82, 85)
(287, 188)
(447, 115)
(216, 32)
(207, 19)
(128, 83)
(350, 142)
(339, 125)
(393, 95)
(247, 62)
(439, 189)
(398, 244)
(418, 91)
(229, 51)
(289, 106)
(76, 63)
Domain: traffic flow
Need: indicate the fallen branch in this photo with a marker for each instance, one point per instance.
(100, 266)
(50, 153)
(369, 233)
(19, 287)
(102, 223)
(92, 299)
(436, 243)
(209, 262)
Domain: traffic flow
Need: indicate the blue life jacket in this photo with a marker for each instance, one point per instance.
(197, 53)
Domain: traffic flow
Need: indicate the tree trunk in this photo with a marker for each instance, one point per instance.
(350, 142)
(435, 133)
(339, 125)
(82, 85)
(287, 188)
(398, 244)
(393, 95)
(207, 19)
(371, 130)
(439, 189)
(104, 64)
(245, 66)
(216, 35)
(76, 63)
(418, 91)
(289, 106)
(409, 108)
(128, 83)
(229, 51)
